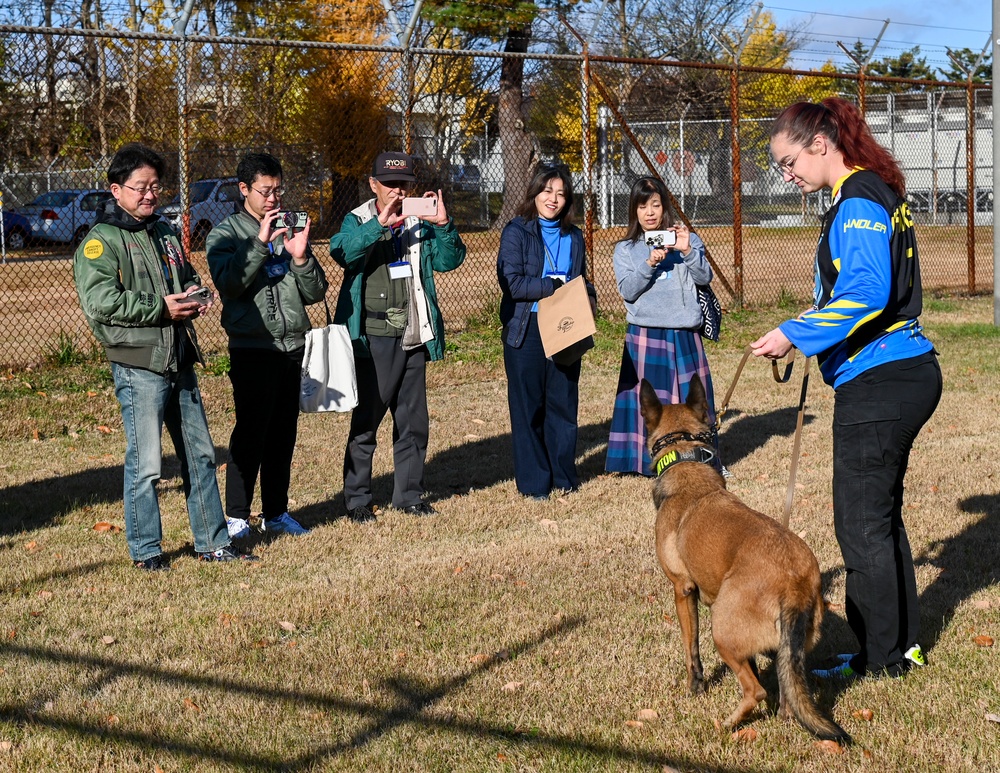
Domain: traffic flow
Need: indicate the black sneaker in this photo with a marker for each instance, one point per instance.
(361, 514)
(155, 564)
(421, 508)
(227, 554)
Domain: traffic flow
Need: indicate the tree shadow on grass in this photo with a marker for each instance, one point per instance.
(741, 434)
(415, 702)
(474, 464)
(39, 503)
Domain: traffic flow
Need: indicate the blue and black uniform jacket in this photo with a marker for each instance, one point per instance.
(867, 295)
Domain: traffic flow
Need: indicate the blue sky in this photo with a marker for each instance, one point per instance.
(934, 25)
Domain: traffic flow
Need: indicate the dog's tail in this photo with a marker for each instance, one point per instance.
(796, 624)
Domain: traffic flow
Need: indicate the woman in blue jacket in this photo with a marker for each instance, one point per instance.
(540, 249)
(865, 332)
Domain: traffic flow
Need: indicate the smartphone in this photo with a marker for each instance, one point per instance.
(420, 206)
(203, 296)
(293, 221)
(660, 240)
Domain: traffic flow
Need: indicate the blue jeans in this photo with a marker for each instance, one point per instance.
(150, 400)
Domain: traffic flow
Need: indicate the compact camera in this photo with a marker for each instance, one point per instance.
(293, 221)
(660, 240)
(420, 206)
(203, 296)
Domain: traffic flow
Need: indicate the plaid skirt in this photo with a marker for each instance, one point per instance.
(667, 359)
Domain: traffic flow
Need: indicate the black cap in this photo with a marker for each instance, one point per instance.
(393, 166)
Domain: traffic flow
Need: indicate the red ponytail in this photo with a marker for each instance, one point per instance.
(840, 122)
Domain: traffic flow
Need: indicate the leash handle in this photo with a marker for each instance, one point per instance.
(780, 379)
(790, 494)
(788, 368)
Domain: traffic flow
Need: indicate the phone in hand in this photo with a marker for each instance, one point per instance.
(203, 295)
(293, 221)
(420, 206)
(660, 240)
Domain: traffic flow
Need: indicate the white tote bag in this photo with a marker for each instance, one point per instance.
(329, 381)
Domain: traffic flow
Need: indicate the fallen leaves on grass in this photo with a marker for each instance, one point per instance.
(31, 547)
(105, 526)
(866, 714)
(830, 747)
(744, 735)
(983, 641)
(190, 705)
(288, 625)
(634, 723)
(993, 718)
(481, 657)
(648, 715)
(107, 641)
(549, 525)
(512, 686)
(45, 594)
(105, 430)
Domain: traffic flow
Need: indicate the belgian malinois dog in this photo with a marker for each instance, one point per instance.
(761, 580)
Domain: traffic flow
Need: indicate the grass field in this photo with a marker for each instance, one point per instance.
(498, 635)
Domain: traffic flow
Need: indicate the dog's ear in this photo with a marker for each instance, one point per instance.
(696, 399)
(649, 404)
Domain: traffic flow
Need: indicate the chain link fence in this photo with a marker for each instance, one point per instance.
(70, 98)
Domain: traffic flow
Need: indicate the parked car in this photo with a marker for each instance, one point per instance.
(16, 230)
(210, 202)
(466, 178)
(63, 215)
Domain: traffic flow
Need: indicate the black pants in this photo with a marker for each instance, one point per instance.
(266, 396)
(543, 398)
(395, 380)
(876, 418)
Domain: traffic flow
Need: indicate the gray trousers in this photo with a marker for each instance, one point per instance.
(394, 380)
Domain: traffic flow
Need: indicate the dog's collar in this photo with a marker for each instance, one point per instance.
(707, 437)
(670, 458)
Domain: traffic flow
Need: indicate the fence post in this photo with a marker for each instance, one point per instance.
(588, 230)
(734, 100)
(180, 28)
(970, 170)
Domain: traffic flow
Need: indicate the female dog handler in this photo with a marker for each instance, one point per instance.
(865, 332)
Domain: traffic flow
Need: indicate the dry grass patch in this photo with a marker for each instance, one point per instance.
(500, 634)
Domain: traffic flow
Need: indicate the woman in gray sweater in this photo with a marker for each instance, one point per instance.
(662, 343)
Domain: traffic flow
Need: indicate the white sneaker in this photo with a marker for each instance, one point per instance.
(237, 528)
(285, 524)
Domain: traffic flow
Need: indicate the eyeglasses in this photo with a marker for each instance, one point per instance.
(266, 194)
(404, 185)
(154, 189)
(785, 167)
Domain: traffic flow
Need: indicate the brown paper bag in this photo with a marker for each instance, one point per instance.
(565, 319)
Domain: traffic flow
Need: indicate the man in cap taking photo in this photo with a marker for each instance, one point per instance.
(389, 305)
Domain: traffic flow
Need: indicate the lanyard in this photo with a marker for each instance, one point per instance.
(553, 262)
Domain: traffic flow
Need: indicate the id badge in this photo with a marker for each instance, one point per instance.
(400, 270)
(560, 277)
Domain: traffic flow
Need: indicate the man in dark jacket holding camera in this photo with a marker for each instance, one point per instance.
(266, 276)
(389, 305)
